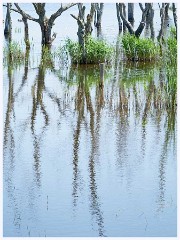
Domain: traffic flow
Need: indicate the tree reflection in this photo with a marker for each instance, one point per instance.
(79, 107)
(136, 96)
(9, 140)
(83, 98)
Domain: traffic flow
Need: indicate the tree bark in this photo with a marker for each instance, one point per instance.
(152, 23)
(129, 26)
(175, 16)
(8, 25)
(125, 22)
(26, 33)
(162, 15)
(124, 13)
(166, 10)
(89, 19)
(142, 23)
(131, 13)
(118, 17)
(150, 19)
(84, 27)
(99, 11)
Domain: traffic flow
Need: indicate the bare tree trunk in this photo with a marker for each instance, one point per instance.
(124, 13)
(166, 10)
(150, 19)
(142, 23)
(46, 33)
(89, 19)
(26, 33)
(152, 23)
(140, 28)
(44, 22)
(84, 27)
(131, 13)
(8, 24)
(125, 22)
(175, 16)
(162, 15)
(118, 17)
(98, 16)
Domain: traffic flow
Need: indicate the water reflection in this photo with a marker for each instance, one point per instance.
(133, 104)
(79, 108)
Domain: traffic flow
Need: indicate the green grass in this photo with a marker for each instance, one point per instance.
(140, 49)
(13, 54)
(96, 51)
(171, 48)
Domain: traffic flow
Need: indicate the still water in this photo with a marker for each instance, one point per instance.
(85, 160)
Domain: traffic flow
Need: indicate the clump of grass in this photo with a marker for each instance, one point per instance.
(140, 49)
(95, 51)
(171, 66)
(47, 58)
(14, 50)
(13, 54)
(171, 48)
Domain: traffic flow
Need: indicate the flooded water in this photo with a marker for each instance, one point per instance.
(86, 160)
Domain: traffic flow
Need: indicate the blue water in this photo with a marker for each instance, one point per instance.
(80, 160)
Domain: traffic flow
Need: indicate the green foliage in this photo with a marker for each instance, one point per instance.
(140, 49)
(46, 57)
(95, 51)
(75, 51)
(171, 48)
(171, 66)
(13, 54)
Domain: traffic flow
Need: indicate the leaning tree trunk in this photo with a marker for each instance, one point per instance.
(142, 23)
(8, 25)
(131, 13)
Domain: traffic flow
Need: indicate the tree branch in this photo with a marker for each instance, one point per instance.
(60, 11)
(25, 15)
(78, 20)
(141, 7)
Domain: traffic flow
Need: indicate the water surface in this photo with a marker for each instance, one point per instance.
(85, 160)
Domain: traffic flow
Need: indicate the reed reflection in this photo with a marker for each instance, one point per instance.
(159, 105)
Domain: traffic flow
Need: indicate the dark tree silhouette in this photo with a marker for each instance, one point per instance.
(45, 23)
